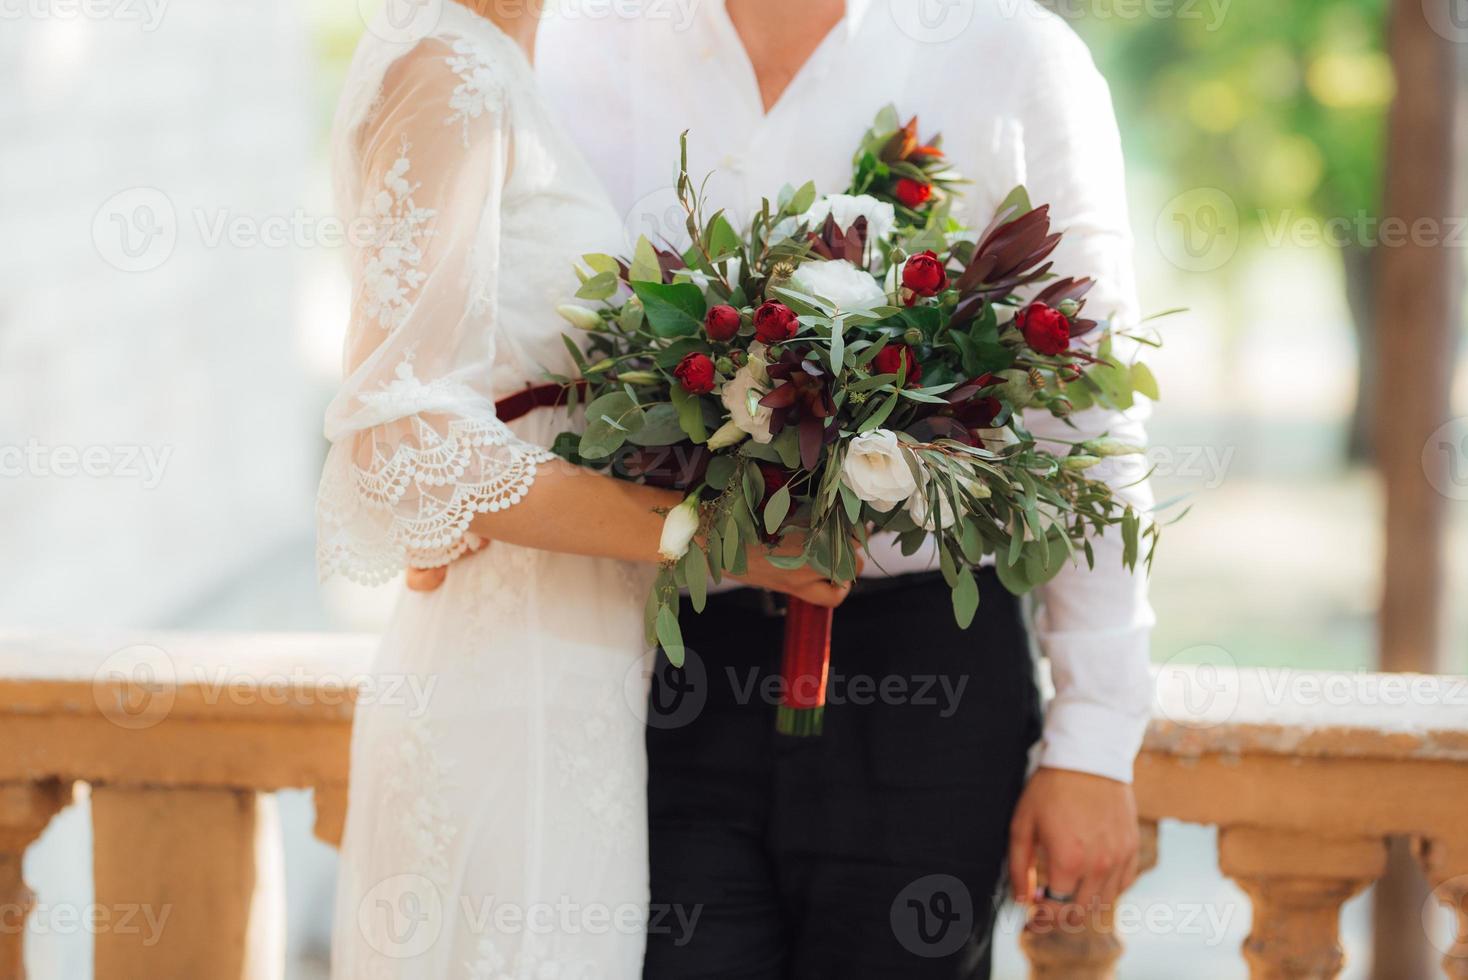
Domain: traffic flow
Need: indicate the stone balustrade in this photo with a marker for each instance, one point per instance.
(1306, 775)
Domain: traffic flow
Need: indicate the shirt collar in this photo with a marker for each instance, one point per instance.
(856, 11)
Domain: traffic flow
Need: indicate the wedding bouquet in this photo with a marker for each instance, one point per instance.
(852, 363)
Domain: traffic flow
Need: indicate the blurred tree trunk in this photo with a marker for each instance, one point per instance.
(1359, 261)
(1416, 323)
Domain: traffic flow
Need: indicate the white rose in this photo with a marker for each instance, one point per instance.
(846, 285)
(741, 395)
(876, 469)
(679, 527)
(846, 208)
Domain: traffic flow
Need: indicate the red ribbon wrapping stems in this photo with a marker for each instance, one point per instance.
(803, 670)
(807, 657)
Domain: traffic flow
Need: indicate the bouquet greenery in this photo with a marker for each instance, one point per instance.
(849, 364)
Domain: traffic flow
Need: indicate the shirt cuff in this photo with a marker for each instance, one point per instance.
(1103, 700)
(1093, 738)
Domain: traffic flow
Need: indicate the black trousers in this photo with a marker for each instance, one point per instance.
(874, 850)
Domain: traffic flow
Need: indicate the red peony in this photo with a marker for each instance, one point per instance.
(774, 323)
(924, 274)
(722, 323)
(695, 373)
(900, 360)
(913, 193)
(1045, 329)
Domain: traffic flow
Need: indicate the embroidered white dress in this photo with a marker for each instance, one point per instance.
(496, 826)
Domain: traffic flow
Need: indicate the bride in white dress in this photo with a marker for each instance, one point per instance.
(497, 827)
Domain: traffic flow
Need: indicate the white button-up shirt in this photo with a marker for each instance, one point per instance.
(1018, 101)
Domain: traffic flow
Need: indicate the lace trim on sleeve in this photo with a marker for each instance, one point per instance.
(370, 525)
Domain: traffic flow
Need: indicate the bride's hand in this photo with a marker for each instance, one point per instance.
(428, 579)
(803, 583)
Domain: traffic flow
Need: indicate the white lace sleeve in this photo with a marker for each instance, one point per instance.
(416, 448)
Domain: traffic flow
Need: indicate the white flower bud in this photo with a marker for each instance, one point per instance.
(728, 434)
(679, 527)
(579, 316)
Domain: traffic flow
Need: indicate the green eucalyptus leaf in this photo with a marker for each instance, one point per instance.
(787, 447)
(1012, 577)
(670, 637)
(610, 421)
(875, 420)
(965, 598)
(776, 509)
(733, 544)
(720, 469)
(690, 413)
(660, 426)
(695, 569)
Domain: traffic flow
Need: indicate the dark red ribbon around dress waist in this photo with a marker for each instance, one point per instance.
(531, 397)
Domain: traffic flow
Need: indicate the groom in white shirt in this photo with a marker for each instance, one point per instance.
(879, 848)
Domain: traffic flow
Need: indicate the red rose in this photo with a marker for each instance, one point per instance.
(913, 193)
(924, 274)
(1045, 329)
(900, 360)
(695, 373)
(722, 323)
(774, 323)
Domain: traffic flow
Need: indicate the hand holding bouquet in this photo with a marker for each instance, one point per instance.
(853, 363)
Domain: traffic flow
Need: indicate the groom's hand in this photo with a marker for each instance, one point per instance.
(1087, 828)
